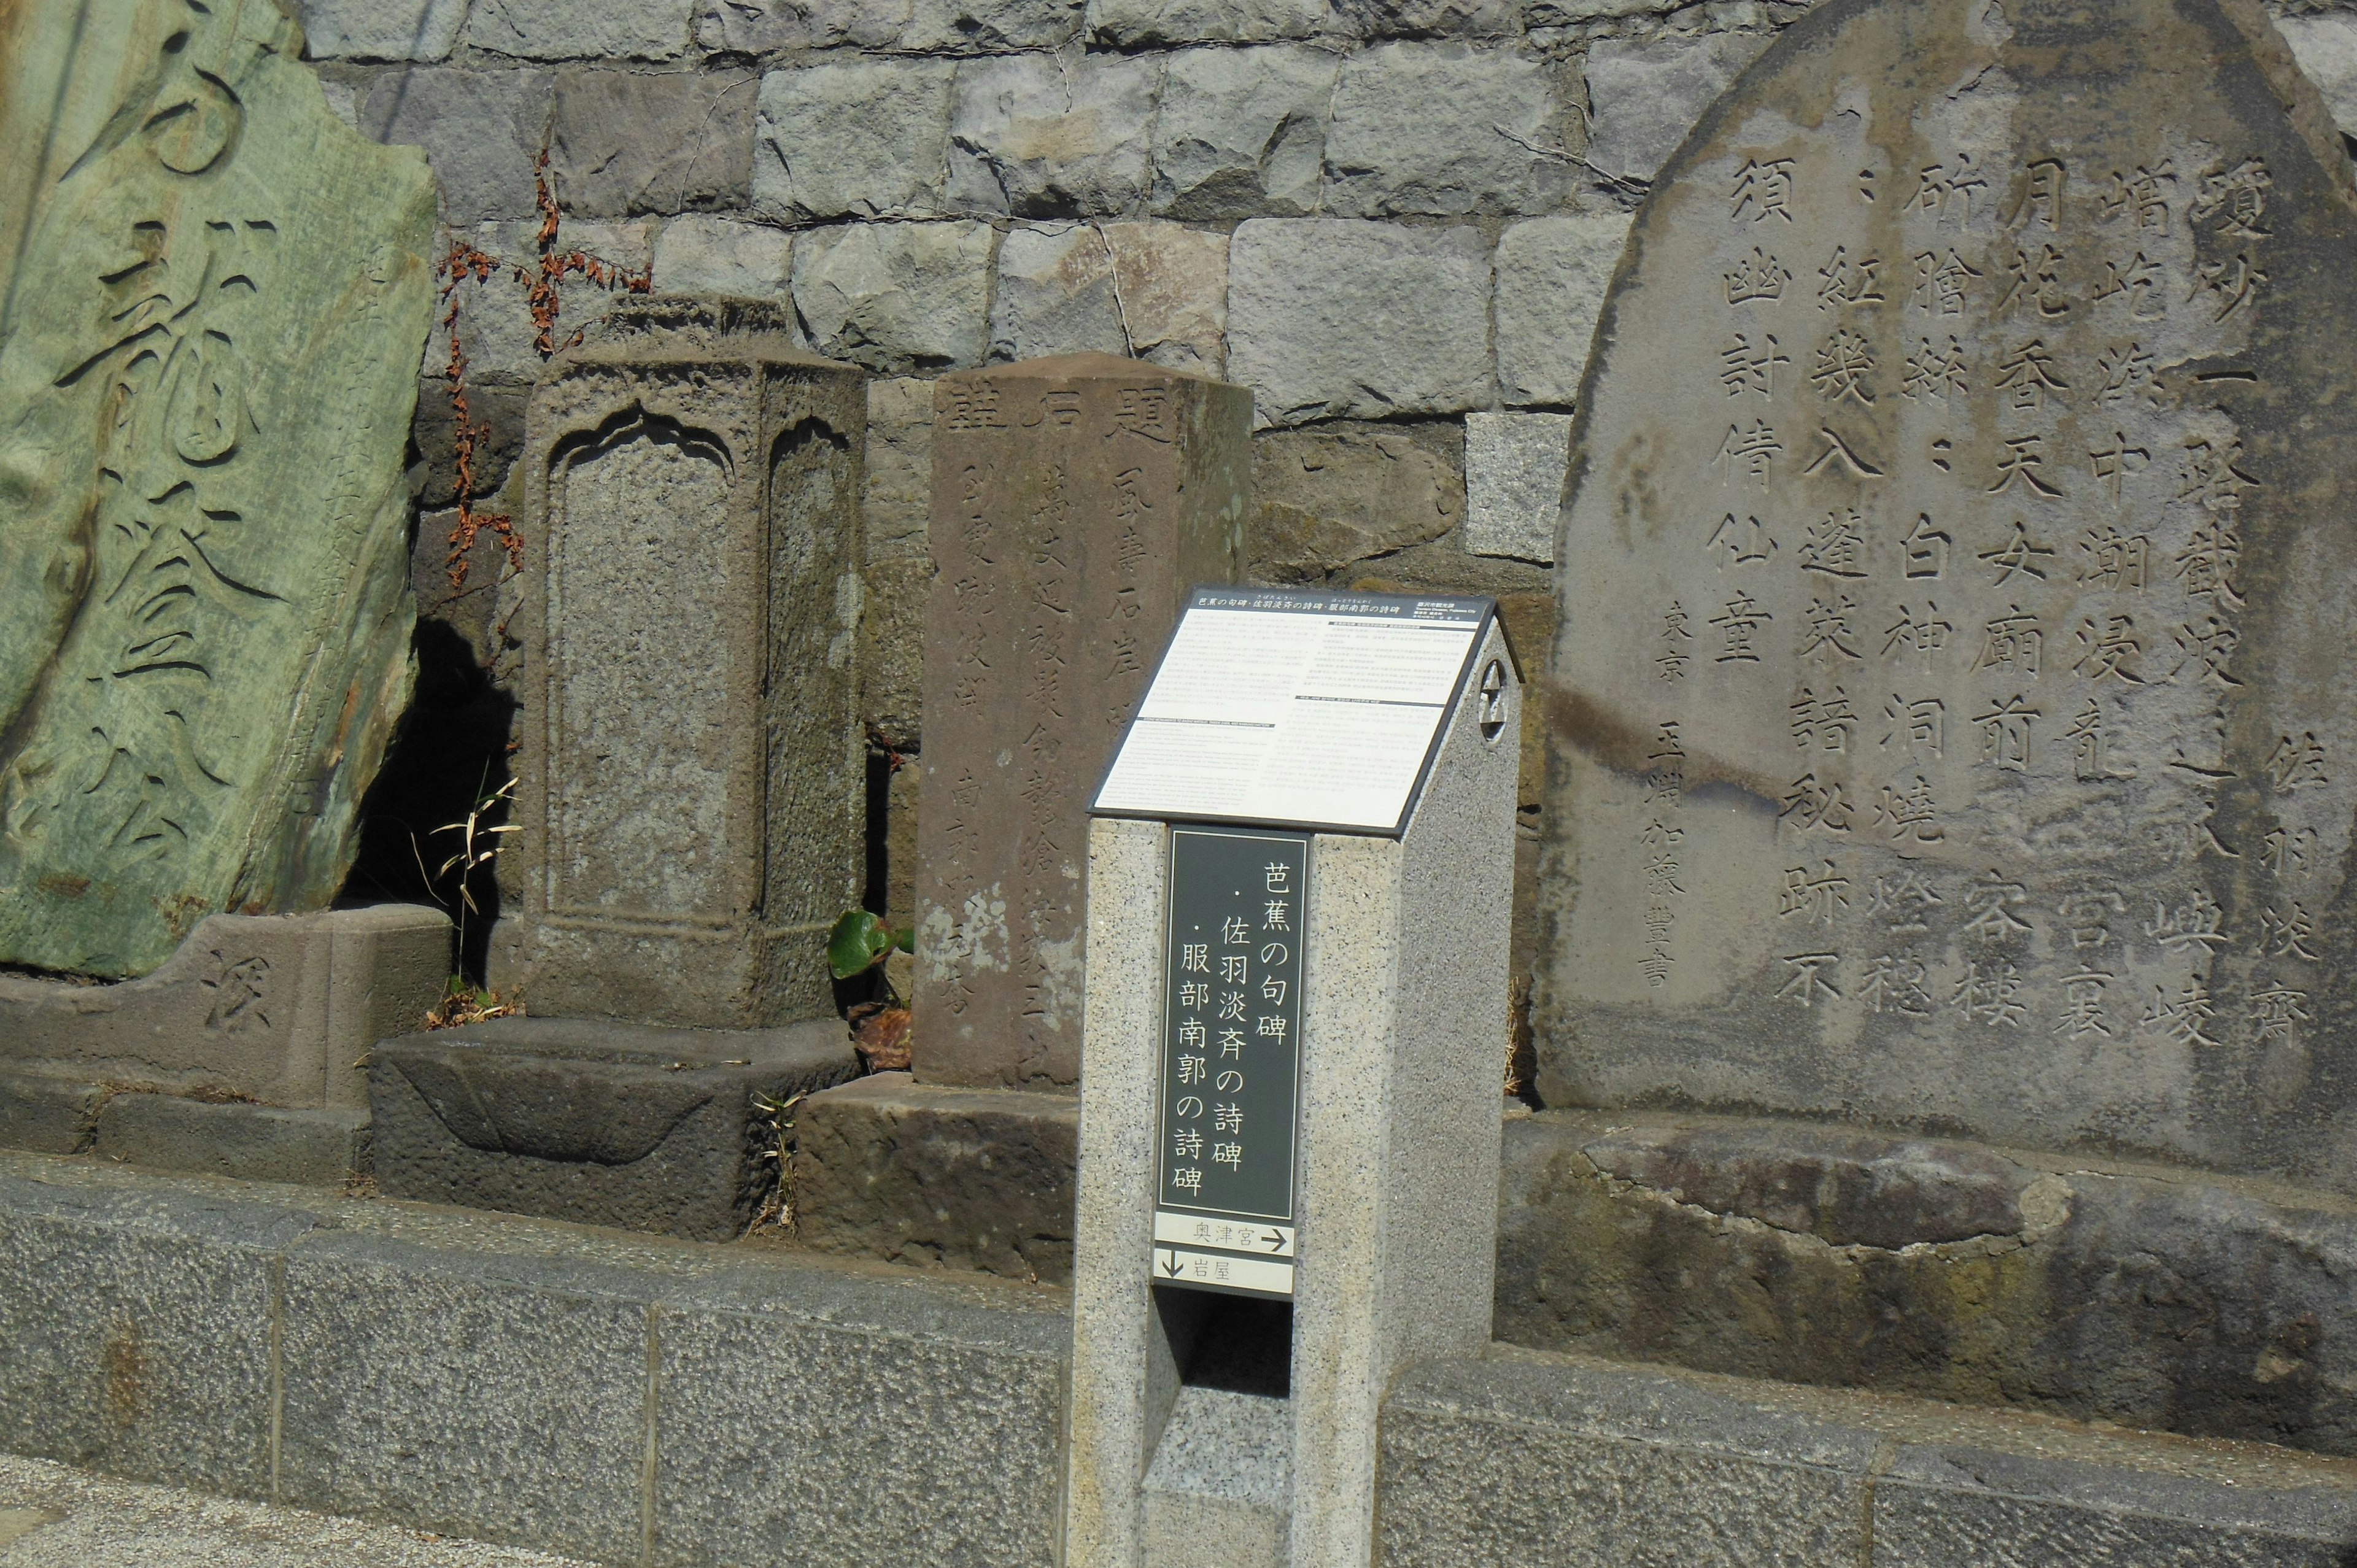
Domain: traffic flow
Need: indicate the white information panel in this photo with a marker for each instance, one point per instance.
(1301, 707)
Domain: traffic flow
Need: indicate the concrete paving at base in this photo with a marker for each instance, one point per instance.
(55, 1517)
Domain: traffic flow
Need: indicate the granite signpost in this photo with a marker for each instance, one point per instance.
(1953, 725)
(1075, 500)
(1290, 1101)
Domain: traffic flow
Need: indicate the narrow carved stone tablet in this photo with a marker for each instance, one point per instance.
(209, 353)
(1956, 728)
(1075, 501)
(689, 781)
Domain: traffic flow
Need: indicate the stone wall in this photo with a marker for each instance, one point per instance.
(1392, 219)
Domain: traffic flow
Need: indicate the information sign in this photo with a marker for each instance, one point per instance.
(1223, 1214)
(1302, 707)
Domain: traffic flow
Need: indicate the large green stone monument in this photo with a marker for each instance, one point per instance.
(214, 300)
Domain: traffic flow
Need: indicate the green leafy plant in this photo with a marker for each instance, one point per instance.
(862, 941)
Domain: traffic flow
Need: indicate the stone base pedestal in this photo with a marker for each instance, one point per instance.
(954, 1178)
(670, 1130)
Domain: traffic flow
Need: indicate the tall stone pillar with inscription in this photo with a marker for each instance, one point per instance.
(1959, 442)
(209, 341)
(1075, 501)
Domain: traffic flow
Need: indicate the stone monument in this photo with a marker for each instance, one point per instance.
(691, 771)
(1268, 1233)
(1075, 501)
(1952, 725)
(209, 341)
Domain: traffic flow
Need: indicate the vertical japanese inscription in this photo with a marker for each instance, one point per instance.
(1230, 1081)
(1927, 439)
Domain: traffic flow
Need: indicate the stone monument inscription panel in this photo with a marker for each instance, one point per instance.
(1953, 727)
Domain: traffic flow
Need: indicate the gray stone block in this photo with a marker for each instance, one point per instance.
(380, 29)
(226, 1138)
(2326, 47)
(990, 26)
(1449, 129)
(136, 1324)
(1513, 482)
(958, 1178)
(1958, 1507)
(604, 1124)
(1451, 18)
(1552, 275)
(722, 258)
(1220, 1486)
(1132, 24)
(768, 26)
(895, 296)
(857, 138)
(900, 469)
(834, 1421)
(1484, 1462)
(1336, 317)
(1039, 137)
(1055, 295)
(1149, 291)
(1243, 132)
(625, 142)
(275, 1008)
(1339, 494)
(504, 1397)
(480, 129)
(1643, 95)
(47, 1115)
(494, 323)
(580, 29)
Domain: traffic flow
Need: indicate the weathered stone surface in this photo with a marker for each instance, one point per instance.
(1336, 319)
(274, 1008)
(1346, 494)
(896, 297)
(659, 1129)
(1243, 132)
(2138, 1295)
(1075, 501)
(204, 634)
(1459, 18)
(480, 129)
(1982, 683)
(1039, 137)
(953, 1178)
(494, 322)
(1644, 94)
(2326, 47)
(1152, 291)
(764, 27)
(217, 1138)
(1552, 275)
(138, 1331)
(899, 567)
(380, 29)
(1513, 482)
(690, 774)
(809, 1414)
(859, 138)
(1055, 295)
(991, 26)
(1483, 1460)
(580, 29)
(502, 1396)
(1445, 129)
(46, 1114)
(1130, 23)
(724, 258)
(625, 142)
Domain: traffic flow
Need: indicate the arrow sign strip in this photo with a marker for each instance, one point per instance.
(1185, 1266)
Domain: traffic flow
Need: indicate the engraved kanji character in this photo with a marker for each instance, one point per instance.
(1272, 1027)
(2231, 284)
(1763, 189)
(1926, 550)
(1195, 957)
(1844, 362)
(2041, 199)
(1277, 916)
(1754, 450)
(2027, 372)
(1826, 721)
(2297, 763)
(2140, 279)
(1837, 449)
(1745, 542)
(1761, 276)
(2105, 648)
(2123, 369)
(1829, 635)
(2198, 922)
(2091, 742)
(1277, 877)
(2235, 199)
(1894, 982)
(2024, 455)
(1746, 368)
(2287, 935)
(2140, 195)
(2211, 646)
(2115, 561)
(1814, 899)
(1908, 811)
(1919, 722)
(2012, 639)
(2037, 283)
(1191, 1070)
(1671, 665)
(1941, 191)
(1187, 1144)
(1232, 1007)
(1229, 1155)
(1934, 372)
(2082, 1003)
(1187, 1179)
(2116, 462)
(1939, 284)
(1992, 998)
(1235, 968)
(1235, 928)
(2208, 561)
(1227, 1118)
(1992, 901)
(2087, 912)
(1232, 1044)
(1835, 546)
(1738, 623)
(1807, 982)
(1843, 282)
(1925, 633)
(2288, 852)
(1903, 898)
(2183, 1019)
(2274, 1011)
(2018, 556)
(1809, 803)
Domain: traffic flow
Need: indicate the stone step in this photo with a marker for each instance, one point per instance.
(634, 1401)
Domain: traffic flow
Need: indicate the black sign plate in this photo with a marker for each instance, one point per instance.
(1223, 1214)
